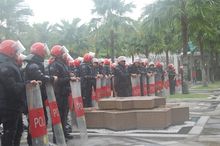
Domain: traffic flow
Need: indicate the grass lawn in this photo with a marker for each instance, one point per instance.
(211, 86)
(190, 95)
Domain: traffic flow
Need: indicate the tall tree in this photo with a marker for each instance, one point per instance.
(202, 27)
(111, 14)
(169, 13)
(13, 16)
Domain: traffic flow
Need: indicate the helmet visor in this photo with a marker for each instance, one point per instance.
(46, 49)
(67, 57)
(64, 49)
(19, 47)
(22, 56)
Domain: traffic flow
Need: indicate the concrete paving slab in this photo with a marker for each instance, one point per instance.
(197, 129)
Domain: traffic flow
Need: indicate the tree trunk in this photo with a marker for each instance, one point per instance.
(112, 45)
(216, 65)
(146, 53)
(192, 67)
(167, 57)
(204, 64)
(184, 27)
(212, 62)
(132, 57)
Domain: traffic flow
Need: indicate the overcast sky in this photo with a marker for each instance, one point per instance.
(55, 10)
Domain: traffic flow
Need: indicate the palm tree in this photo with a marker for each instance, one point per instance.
(170, 14)
(202, 27)
(13, 15)
(73, 35)
(111, 16)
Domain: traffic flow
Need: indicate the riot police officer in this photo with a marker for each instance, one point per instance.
(12, 89)
(35, 71)
(171, 74)
(87, 78)
(122, 78)
(60, 69)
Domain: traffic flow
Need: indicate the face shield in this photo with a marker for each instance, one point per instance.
(46, 49)
(22, 56)
(19, 47)
(64, 49)
(66, 56)
(92, 54)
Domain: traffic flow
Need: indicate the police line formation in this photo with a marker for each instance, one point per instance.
(65, 85)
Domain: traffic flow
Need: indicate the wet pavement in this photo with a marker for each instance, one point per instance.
(203, 129)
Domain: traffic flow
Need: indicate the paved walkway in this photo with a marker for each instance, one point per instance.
(203, 129)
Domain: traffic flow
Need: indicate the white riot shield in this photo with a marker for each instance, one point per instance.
(166, 85)
(108, 87)
(98, 90)
(79, 110)
(94, 98)
(103, 86)
(151, 86)
(55, 116)
(135, 83)
(37, 123)
(144, 85)
(178, 85)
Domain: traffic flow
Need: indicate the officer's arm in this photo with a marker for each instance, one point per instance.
(8, 80)
(54, 71)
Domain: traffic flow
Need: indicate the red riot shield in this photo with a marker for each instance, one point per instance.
(103, 87)
(108, 87)
(98, 89)
(55, 116)
(72, 112)
(114, 93)
(151, 85)
(37, 128)
(70, 101)
(178, 84)
(79, 110)
(166, 85)
(135, 82)
(94, 98)
(144, 83)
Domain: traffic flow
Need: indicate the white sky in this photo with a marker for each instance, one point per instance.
(56, 10)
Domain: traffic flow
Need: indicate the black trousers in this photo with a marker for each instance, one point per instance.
(10, 124)
(63, 106)
(86, 91)
(20, 129)
(172, 86)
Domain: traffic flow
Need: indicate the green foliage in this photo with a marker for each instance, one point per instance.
(212, 86)
(159, 28)
(13, 17)
(111, 25)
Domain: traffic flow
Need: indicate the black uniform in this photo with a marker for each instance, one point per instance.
(122, 81)
(172, 80)
(87, 79)
(75, 71)
(143, 72)
(12, 89)
(158, 80)
(62, 89)
(134, 69)
(106, 70)
(35, 71)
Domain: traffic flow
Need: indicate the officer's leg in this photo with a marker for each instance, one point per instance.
(19, 132)
(29, 140)
(89, 96)
(9, 129)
